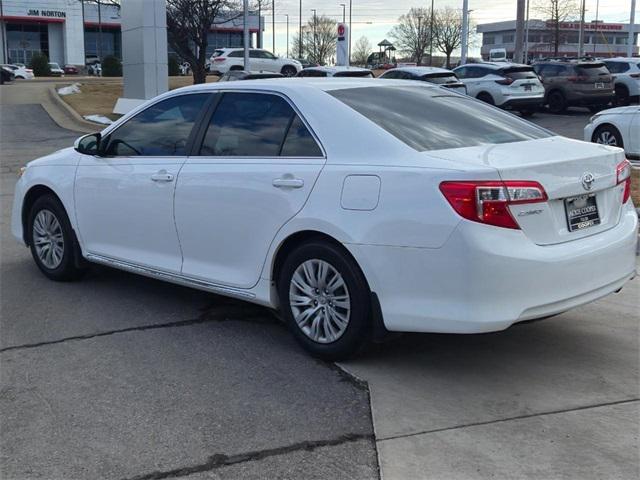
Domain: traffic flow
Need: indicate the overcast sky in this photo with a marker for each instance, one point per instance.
(375, 18)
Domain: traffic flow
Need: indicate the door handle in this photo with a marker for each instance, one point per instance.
(162, 176)
(288, 182)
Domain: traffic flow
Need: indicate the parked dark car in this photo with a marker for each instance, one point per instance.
(6, 75)
(439, 76)
(306, 63)
(244, 75)
(71, 69)
(580, 83)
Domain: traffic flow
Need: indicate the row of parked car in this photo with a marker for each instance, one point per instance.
(557, 83)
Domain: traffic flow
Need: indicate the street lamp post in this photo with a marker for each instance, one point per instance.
(344, 7)
(300, 33)
(273, 26)
(287, 15)
(419, 49)
(245, 33)
(349, 32)
(465, 32)
(315, 38)
(431, 37)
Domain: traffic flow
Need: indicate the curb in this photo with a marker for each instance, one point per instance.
(80, 123)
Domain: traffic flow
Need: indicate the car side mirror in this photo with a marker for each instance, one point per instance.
(88, 144)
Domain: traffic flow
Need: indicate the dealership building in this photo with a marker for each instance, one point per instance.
(600, 39)
(68, 31)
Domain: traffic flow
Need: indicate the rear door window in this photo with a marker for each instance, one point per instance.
(257, 125)
(519, 73)
(617, 67)
(428, 120)
(593, 69)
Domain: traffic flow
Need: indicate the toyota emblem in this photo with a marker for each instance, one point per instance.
(587, 180)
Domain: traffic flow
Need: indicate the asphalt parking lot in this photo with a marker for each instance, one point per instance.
(119, 376)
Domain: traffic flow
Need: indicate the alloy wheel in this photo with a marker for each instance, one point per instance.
(320, 301)
(607, 138)
(48, 239)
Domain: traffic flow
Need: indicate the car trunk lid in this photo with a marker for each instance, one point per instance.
(575, 175)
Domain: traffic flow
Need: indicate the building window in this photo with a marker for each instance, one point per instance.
(25, 40)
(572, 38)
(508, 38)
(488, 40)
(111, 42)
(621, 40)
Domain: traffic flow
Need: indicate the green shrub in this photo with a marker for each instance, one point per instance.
(40, 65)
(111, 66)
(174, 67)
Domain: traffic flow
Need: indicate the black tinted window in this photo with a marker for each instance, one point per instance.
(427, 120)
(519, 73)
(161, 130)
(593, 69)
(617, 67)
(440, 78)
(237, 53)
(299, 141)
(312, 73)
(354, 74)
(254, 125)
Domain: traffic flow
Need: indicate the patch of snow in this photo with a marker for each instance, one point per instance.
(99, 119)
(69, 90)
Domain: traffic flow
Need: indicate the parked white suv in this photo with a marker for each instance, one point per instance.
(507, 85)
(225, 59)
(617, 127)
(626, 79)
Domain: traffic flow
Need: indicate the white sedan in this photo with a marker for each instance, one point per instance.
(618, 127)
(20, 71)
(354, 206)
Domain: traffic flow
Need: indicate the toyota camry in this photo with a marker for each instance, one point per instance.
(354, 207)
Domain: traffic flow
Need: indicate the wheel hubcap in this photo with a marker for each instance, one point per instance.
(48, 239)
(606, 138)
(320, 301)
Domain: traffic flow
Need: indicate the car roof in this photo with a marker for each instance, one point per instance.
(284, 85)
(495, 65)
(420, 70)
(337, 68)
(622, 59)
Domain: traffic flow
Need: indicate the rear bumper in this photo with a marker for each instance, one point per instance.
(523, 103)
(487, 278)
(587, 99)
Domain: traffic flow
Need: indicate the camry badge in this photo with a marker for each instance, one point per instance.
(587, 180)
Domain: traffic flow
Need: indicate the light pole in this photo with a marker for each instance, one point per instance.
(349, 32)
(287, 15)
(344, 7)
(595, 32)
(431, 37)
(632, 18)
(300, 33)
(526, 36)
(581, 31)
(465, 32)
(419, 41)
(273, 25)
(245, 16)
(315, 40)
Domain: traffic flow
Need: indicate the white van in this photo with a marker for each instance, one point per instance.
(498, 55)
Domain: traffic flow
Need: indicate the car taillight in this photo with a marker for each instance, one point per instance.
(219, 59)
(488, 202)
(505, 81)
(579, 78)
(623, 175)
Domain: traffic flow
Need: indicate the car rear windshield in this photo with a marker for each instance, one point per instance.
(428, 120)
(592, 69)
(519, 73)
(217, 53)
(440, 78)
(353, 74)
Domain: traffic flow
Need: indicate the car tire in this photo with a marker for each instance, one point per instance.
(236, 67)
(557, 102)
(622, 98)
(486, 98)
(596, 108)
(527, 113)
(53, 243)
(289, 71)
(333, 321)
(608, 135)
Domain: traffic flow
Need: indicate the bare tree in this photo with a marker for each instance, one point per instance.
(318, 40)
(411, 35)
(188, 25)
(447, 31)
(361, 51)
(556, 12)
